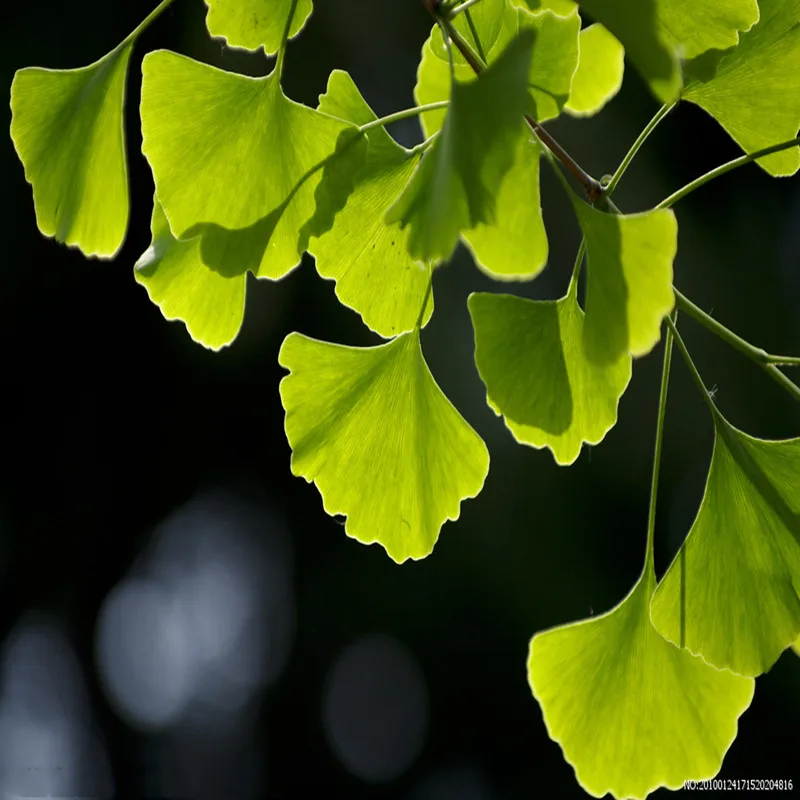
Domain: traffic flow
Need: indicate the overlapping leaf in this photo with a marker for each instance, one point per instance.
(513, 246)
(68, 132)
(252, 24)
(235, 155)
(370, 427)
(731, 594)
(601, 67)
(629, 288)
(631, 711)
(366, 257)
(210, 303)
(555, 54)
(455, 184)
(755, 92)
(530, 357)
(657, 33)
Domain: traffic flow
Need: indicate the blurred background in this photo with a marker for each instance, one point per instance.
(178, 616)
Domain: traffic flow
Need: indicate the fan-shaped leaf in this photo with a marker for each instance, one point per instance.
(370, 427)
(210, 303)
(629, 288)
(67, 128)
(251, 24)
(755, 92)
(454, 186)
(631, 711)
(600, 70)
(235, 154)
(731, 594)
(366, 257)
(514, 246)
(530, 357)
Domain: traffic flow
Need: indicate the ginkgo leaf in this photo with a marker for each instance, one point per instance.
(514, 246)
(555, 52)
(631, 711)
(454, 186)
(384, 446)
(252, 24)
(366, 257)
(210, 303)
(233, 153)
(601, 67)
(629, 287)
(68, 132)
(731, 594)
(530, 357)
(796, 646)
(755, 91)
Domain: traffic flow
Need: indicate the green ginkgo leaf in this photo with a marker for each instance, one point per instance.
(755, 91)
(234, 159)
(384, 446)
(796, 646)
(601, 67)
(530, 357)
(68, 132)
(514, 246)
(731, 594)
(631, 711)
(657, 33)
(455, 184)
(629, 288)
(252, 24)
(555, 52)
(366, 257)
(210, 303)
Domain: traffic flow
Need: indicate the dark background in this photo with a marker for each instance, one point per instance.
(142, 474)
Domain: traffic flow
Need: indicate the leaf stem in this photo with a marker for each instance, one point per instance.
(636, 146)
(766, 361)
(406, 113)
(721, 170)
(284, 40)
(472, 28)
(449, 47)
(421, 316)
(464, 7)
(145, 23)
(576, 270)
(662, 409)
(692, 368)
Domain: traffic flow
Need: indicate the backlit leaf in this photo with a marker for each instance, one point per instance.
(600, 71)
(67, 129)
(235, 155)
(455, 184)
(755, 92)
(251, 24)
(210, 303)
(366, 257)
(631, 711)
(731, 594)
(530, 357)
(384, 446)
(629, 287)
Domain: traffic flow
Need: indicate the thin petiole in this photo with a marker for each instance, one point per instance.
(446, 29)
(472, 28)
(406, 113)
(284, 40)
(721, 170)
(766, 361)
(692, 368)
(576, 270)
(425, 299)
(636, 146)
(146, 22)
(662, 410)
(463, 7)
